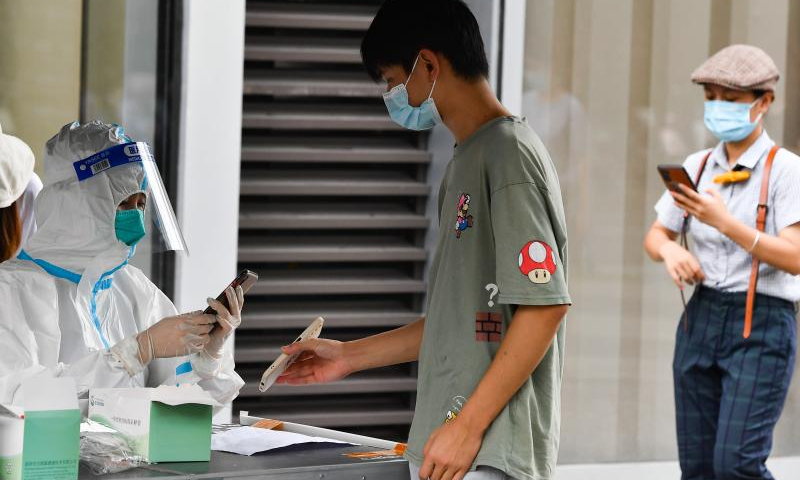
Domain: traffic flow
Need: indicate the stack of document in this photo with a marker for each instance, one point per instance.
(250, 440)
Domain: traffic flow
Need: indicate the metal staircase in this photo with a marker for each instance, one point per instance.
(332, 212)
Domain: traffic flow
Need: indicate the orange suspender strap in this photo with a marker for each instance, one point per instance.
(761, 223)
(701, 169)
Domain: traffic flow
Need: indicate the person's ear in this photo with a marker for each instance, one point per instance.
(769, 97)
(764, 102)
(431, 64)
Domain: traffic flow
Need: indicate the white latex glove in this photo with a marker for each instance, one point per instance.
(175, 336)
(227, 320)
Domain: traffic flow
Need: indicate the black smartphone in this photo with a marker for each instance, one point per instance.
(674, 175)
(246, 279)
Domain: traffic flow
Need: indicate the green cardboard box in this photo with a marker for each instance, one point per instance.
(12, 428)
(51, 444)
(164, 424)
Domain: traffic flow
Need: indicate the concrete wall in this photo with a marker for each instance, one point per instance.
(208, 189)
(39, 68)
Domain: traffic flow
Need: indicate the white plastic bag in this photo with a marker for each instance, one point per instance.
(105, 450)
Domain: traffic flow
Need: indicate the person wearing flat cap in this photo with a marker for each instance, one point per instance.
(736, 340)
(19, 186)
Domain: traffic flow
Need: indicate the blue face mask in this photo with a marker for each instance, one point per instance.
(129, 226)
(424, 117)
(730, 121)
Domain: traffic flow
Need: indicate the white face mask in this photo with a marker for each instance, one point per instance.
(424, 117)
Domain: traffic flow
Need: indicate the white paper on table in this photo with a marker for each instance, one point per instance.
(250, 440)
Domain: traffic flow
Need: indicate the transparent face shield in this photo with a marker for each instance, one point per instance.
(129, 169)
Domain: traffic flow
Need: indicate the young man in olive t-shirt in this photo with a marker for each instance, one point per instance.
(488, 396)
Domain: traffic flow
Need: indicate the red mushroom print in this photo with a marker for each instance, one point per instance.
(537, 261)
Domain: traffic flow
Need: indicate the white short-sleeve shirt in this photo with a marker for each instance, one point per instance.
(726, 264)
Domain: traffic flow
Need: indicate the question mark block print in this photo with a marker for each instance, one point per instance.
(488, 327)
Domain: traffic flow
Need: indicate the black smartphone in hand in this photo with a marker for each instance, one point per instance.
(674, 175)
(246, 279)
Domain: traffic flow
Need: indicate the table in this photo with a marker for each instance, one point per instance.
(301, 462)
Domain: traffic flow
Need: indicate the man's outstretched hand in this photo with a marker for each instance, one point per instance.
(320, 361)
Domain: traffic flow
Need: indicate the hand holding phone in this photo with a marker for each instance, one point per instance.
(284, 361)
(228, 319)
(674, 175)
(246, 279)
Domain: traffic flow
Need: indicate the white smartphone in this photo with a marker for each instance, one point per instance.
(284, 361)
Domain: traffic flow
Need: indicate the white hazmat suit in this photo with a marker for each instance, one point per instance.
(70, 304)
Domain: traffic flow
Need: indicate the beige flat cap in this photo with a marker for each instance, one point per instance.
(740, 67)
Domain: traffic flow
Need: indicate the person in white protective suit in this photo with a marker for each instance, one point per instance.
(72, 305)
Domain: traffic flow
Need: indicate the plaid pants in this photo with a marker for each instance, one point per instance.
(729, 391)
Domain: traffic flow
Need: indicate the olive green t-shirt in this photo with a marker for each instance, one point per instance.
(502, 242)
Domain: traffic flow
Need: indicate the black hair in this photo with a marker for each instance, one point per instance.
(402, 28)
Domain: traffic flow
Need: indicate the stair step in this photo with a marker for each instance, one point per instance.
(310, 252)
(294, 185)
(313, 117)
(269, 318)
(372, 384)
(293, 83)
(364, 218)
(302, 49)
(322, 153)
(256, 354)
(309, 16)
(333, 284)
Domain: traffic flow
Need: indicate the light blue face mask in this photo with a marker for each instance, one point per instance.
(129, 226)
(730, 121)
(424, 117)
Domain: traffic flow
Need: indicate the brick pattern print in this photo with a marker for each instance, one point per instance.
(488, 327)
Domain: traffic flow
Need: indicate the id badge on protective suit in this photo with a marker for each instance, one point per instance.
(111, 163)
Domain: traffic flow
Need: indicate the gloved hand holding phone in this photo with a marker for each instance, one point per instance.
(228, 319)
(195, 332)
(175, 336)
